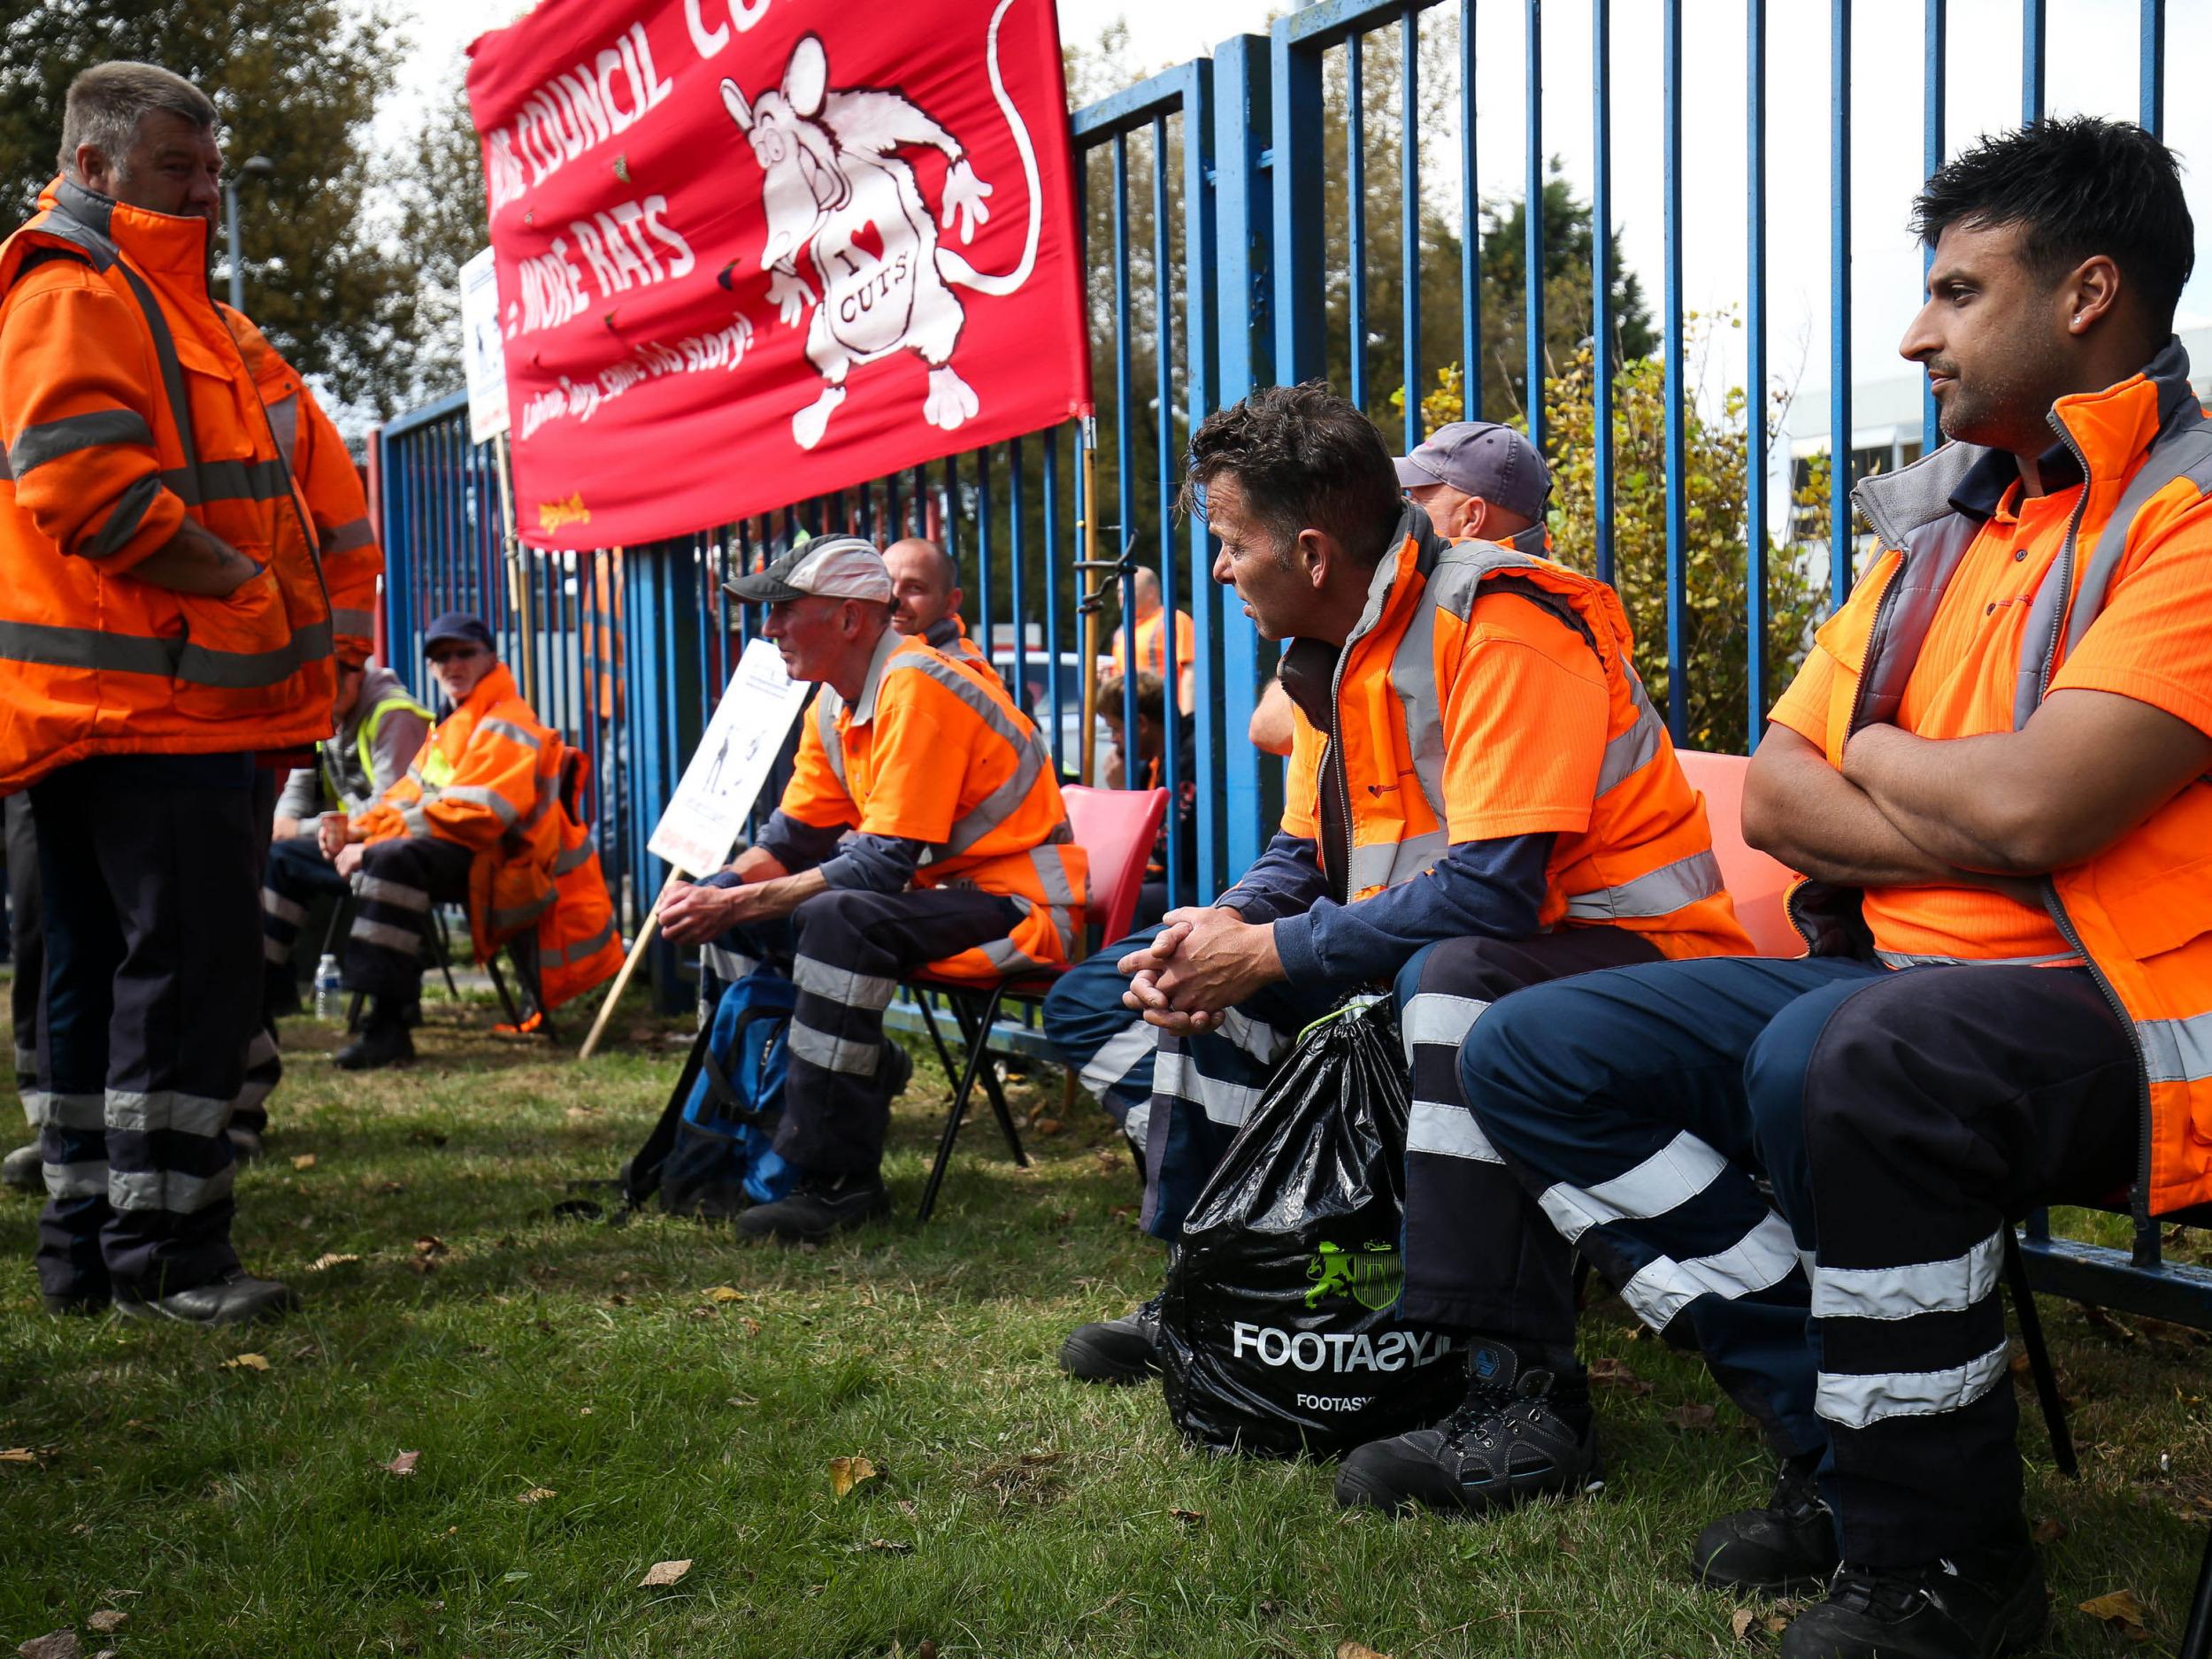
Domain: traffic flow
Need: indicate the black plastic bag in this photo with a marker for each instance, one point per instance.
(1277, 1336)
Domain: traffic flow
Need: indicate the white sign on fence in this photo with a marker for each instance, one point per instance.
(482, 353)
(701, 826)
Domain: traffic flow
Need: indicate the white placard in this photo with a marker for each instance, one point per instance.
(701, 826)
(482, 353)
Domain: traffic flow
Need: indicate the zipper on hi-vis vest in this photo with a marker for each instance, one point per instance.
(2064, 570)
(1343, 773)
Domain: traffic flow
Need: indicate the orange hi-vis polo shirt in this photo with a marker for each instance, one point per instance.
(1962, 685)
(934, 752)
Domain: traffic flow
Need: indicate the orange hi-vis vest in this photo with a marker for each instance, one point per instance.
(1151, 650)
(2140, 912)
(337, 505)
(490, 777)
(125, 408)
(1643, 863)
(933, 750)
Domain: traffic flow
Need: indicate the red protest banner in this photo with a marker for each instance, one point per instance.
(751, 252)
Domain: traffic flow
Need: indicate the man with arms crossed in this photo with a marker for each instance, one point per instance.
(1992, 770)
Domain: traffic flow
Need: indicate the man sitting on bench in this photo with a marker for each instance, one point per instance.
(1481, 797)
(1993, 769)
(960, 860)
(478, 789)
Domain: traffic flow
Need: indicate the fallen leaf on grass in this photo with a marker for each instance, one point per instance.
(1740, 1624)
(57, 1644)
(1609, 1372)
(246, 1361)
(19, 1454)
(1691, 1416)
(330, 1259)
(1357, 1650)
(306, 1161)
(845, 1474)
(429, 1244)
(2120, 1608)
(537, 1494)
(662, 1573)
(107, 1619)
(884, 1545)
(403, 1464)
(1190, 1517)
(725, 1293)
(2048, 1531)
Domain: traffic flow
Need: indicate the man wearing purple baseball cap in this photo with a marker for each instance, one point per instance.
(1476, 478)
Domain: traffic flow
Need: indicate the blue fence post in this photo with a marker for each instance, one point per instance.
(1755, 375)
(1677, 392)
(1533, 220)
(1839, 300)
(1202, 321)
(1601, 323)
(1257, 344)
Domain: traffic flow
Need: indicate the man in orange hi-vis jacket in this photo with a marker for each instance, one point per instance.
(162, 615)
(1992, 770)
(960, 860)
(478, 819)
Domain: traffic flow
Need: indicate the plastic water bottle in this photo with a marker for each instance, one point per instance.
(326, 987)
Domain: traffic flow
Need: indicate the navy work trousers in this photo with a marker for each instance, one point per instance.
(147, 867)
(1901, 1119)
(851, 949)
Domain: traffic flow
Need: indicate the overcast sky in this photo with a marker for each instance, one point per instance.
(2092, 66)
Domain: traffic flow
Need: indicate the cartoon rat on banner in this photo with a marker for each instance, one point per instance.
(833, 185)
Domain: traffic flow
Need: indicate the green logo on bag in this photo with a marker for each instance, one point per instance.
(1372, 1276)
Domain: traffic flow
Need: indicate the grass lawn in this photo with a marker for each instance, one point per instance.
(583, 1402)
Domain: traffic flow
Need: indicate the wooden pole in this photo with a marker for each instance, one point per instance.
(519, 598)
(629, 966)
(1087, 531)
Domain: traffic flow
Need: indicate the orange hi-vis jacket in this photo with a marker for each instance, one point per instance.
(2140, 912)
(125, 408)
(1643, 861)
(489, 778)
(934, 752)
(337, 505)
(1152, 643)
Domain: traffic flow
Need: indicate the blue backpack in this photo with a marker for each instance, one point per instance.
(711, 1153)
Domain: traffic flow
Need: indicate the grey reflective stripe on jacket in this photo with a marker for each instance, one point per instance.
(178, 660)
(1455, 574)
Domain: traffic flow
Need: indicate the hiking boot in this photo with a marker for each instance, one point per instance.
(1524, 1430)
(1979, 1607)
(22, 1170)
(817, 1207)
(1124, 1350)
(231, 1300)
(1789, 1545)
(383, 1042)
(245, 1144)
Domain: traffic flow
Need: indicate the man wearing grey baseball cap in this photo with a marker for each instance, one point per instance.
(959, 858)
(1478, 479)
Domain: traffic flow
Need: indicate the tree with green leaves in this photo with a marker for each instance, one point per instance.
(296, 80)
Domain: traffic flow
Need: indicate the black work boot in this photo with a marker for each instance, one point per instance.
(1525, 1430)
(231, 1300)
(895, 1069)
(1124, 1350)
(382, 1041)
(1789, 1545)
(1980, 1607)
(818, 1206)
